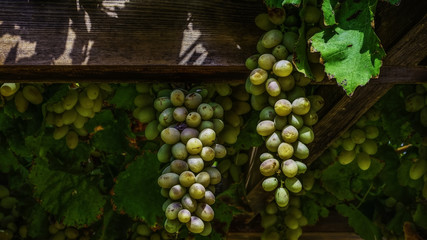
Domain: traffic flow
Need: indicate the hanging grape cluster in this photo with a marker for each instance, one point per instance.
(22, 95)
(417, 102)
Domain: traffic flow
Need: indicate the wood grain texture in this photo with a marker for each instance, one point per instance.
(127, 32)
(305, 236)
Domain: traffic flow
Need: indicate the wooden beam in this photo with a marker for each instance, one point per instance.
(412, 48)
(305, 236)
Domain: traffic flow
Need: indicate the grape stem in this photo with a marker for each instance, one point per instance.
(364, 196)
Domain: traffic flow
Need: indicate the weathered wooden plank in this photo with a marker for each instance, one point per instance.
(124, 32)
(412, 48)
(305, 236)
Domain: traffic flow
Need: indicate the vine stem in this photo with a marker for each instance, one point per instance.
(365, 196)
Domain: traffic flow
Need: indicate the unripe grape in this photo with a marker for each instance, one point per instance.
(283, 107)
(273, 99)
(168, 180)
(257, 77)
(177, 192)
(312, 14)
(193, 119)
(266, 61)
(370, 147)
(188, 133)
(289, 40)
(269, 167)
(207, 230)
(280, 122)
(184, 215)
(214, 174)
(286, 83)
(205, 212)
(140, 114)
(265, 156)
(358, 136)
(310, 118)
(291, 222)
(172, 226)
(363, 160)
(180, 114)
(252, 62)
(223, 89)
(280, 52)
(218, 125)
(371, 132)
(300, 150)
(187, 178)
(170, 135)
(192, 100)
(270, 184)
(60, 132)
(306, 135)
(272, 87)
(268, 220)
(69, 116)
(178, 166)
(209, 197)
(72, 140)
(195, 225)
(346, 157)
(177, 97)
(282, 68)
(273, 141)
(21, 103)
(220, 151)
(195, 163)
(143, 100)
(218, 110)
(317, 102)
(293, 184)
(260, 48)
(418, 169)
(267, 113)
(265, 128)
(272, 38)
(301, 167)
(262, 21)
(207, 137)
(32, 94)
(205, 111)
(162, 103)
(289, 134)
(285, 151)
(318, 71)
(282, 197)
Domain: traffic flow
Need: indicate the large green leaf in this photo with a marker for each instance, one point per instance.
(124, 96)
(351, 51)
(335, 179)
(137, 193)
(71, 197)
(361, 224)
(329, 7)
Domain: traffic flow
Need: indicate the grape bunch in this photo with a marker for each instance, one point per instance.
(22, 95)
(417, 102)
(419, 166)
(286, 113)
(142, 231)
(9, 216)
(69, 115)
(59, 231)
(283, 223)
(190, 126)
(358, 143)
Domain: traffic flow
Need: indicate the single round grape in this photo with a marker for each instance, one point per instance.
(184, 215)
(295, 120)
(218, 125)
(370, 147)
(290, 168)
(317, 102)
(301, 106)
(172, 226)
(272, 87)
(187, 178)
(170, 135)
(280, 52)
(265, 156)
(312, 14)
(143, 100)
(273, 99)
(285, 151)
(280, 122)
(187, 134)
(290, 134)
(270, 184)
(207, 137)
(192, 100)
(318, 71)
(306, 135)
(164, 153)
(195, 163)
(172, 210)
(220, 151)
(258, 76)
(205, 111)
(252, 62)
(8, 89)
(286, 83)
(346, 157)
(205, 124)
(168, 180)
(269, 167)
(293, 184)
(267, 113)
(282, 197)
(289, 40)
(72, 139)
(310, 118)
(209, 197)
(268, 221)
(283, 68)
(92, 91)
(21, 103)
(195, 225)
(283, 107)
(189, 203)
(180, 114)
(194, 146)
(291, 222)
(265, 128)
(363, 160)
(205, 212)
(301, 151)
(178, 166)
(60, 132)
(266, 61)
(179, 151)
(144, 115)
(223, 89)
(203, 178)
(218, 110)
(272, 38)
(214, 174)
(85, 101)
(371, 132)
(193, 119)
(262, 21)
(32, 94)
(358, 136)
(177, 98)
(273, 141)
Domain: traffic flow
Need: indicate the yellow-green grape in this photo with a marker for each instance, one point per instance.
(85, 112)
(363, 160)
(269, 184)
(312, 14)
(85, 101)
(178, 166)
(293, 184)
(214, 174)
(223, 89)
(285, 151)
(192, 100)
(187, 178)
(282, 197)
(81, 131)
(414, 102)
(143, 100)
(240, 107)
(194, 146)
(272, 38)
(371, 132)
(189, 203)
(268, 220)
(272, 86)
(209, 197)
(346, 157)
(71, 233)
(269, 167)
(220, 151)
(21, 103)
(266, 61)
(204, 179)
(301, 106)
(265, 128)
(310, 118)
(273, 99)
(205, 212)
(195, 225)
(301, 151)
(92, 91)
(168, 180)
(252, 62)
(170, 135)
(207, 154)
(260, 47)
(164, 153)
(172, 226)
(195, 163)
(8, 89)
(369, 146)
(72, 140)
(283, 107)
(308, 181)
(289, 134)
(418, 169)
(282, 68)
(184, 215)
(302, 167)
(301, 80)
(257, 77)
(270, 235)
(280, 122)
(69, 116)
(348, 144)
(32, 94)
(317, 102)
(262, 21)
(151, 132)
(273, 141)
(162, 103)
(193, 119)
(277, 15)
(295, 93)
(289, 168)
(289, 40)
(207, 230)
(271, 208)
(197, 191)
(280, 52)
(207, 137)
(267, 113)
(358, 136)
(177, 192)
(60, 132)
(286, 83)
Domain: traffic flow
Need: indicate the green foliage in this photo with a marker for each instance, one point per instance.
(329, 8)
(74, 198)
(280, 3)
(124, 96)
(351, 43)
(38, 223)
(313, 210)
(300, 58)
(137, 193)
(420, 216)
(109, 229)
(248, 137)
(362, 225)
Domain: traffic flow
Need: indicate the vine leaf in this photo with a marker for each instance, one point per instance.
(300, 56)
(329, 8)
(335, 180)
(124, 96)
(362, 225)
(280, 3)
(134, 192)
(110, 221)
(351, 51)
(71, 197)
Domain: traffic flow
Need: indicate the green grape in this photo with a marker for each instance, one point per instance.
(369, 146)
(272, 87)
(363, 160)
(282, 197)
(204, 179)
(272, 38)
(346, 157)
(223, 89)
(192, 100)
(85, 101)
(260, 47)
(143, 100)
(269, 167)
(32, 94)
(265, 156)
(301, 106)
(180, 114)
(295, 93)
(418, 169)
(318, 71)
(240, 107)
(265, 128)
(414, 102)
(8, 89)
(218, 125)
(172, 226)
(300, 150)
(348, 144)
(270, 235)
(268, 221)
(317, 102)
(282, 68)
(277, 15)
(280, 52)
(177, 98)
(189, 203)
(170, 135)
(273, 99)
(214, 174)
(187, 178)
(286, 83)
(267, 113)
(362, 122)
(285, 151)
(207, 154)
(283, 107)
(358, 136)
(312, 14)
(293, 184)
(8, 202)
(371, 132)
(229, 134)
(310, 118)
(151, 131)
(289, 168)
(206, 111)
(177, 192)
(162, 103)
(257, 77)
(92, 91)
(205, 212)
(289, 41)
(72, 139)
(194, 146)
(271, 208)
(224, 165)
(193, 119)
(164, 93)
(178, 166)
(252, 62)
(207, 137)
(301, 80)
(145, 115)
(306, 135)
(225, 102)
(266, 61)
(172, 211)
(88, 112)
(220, 151)
(195, 225)
(188, 133)
(207, 230)
(60, 132)
(164, 153)
(273, 141)
(69, 116)
(195, 163)
(294, 211)
(301, 167)
(269, 184)
(21, 103)
(289, 134)
(168, 180)
(262, 21)
(71, 233)
(4, 192)
(184, 215)
(280, 122)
